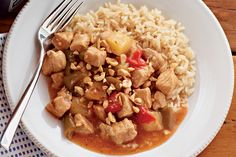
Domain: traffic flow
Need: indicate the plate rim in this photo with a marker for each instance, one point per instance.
(50, 153)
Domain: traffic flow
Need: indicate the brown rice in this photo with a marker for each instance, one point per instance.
(152, 30)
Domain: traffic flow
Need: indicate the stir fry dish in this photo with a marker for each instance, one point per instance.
(120, 78)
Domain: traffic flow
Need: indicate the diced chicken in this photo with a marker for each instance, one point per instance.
(96, 92)
(54, 62)
(169, 118)
(62, 40)
(167, 82)
(80, 105)
(145, 95)
(57, 80)
(100, 112)
(126, 110)
(80, 42)
(83, 125)
(95, 57)
(60, 104)
(155, 125)
(155, 58)
(159, 100)
(140, 76)
(119, 132)
(64, 93)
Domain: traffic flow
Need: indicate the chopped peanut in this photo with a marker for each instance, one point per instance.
(74, 67)
(123, 73)
(126, 83)
(79, 90)
(112, 61)
(108, 121)
(88, 67)
(111, 117)
(110, 89)
(138, 101)
(99, 77)
(105, 103)
(111, 72)
(135, 109)
(123, 58)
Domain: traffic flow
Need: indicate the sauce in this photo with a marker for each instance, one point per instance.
(145, 140)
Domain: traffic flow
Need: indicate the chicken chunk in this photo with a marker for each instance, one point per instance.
(145, 95)
(126, 110)
(159, 100)
(99, 112)
(83, 125)
(95, 57)
(155, 58)
(119, 132)
(60, 104)
(155, 125)
(169, 118)
(80, 42)
(139, 76)
(62, 40)
(57, 80)
(167, 82)
(54, 62)
(65, 93)
(96, 92)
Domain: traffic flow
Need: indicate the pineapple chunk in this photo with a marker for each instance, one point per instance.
(119, 43)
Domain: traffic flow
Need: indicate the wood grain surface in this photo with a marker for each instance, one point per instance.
(225, 11)
(224, 144)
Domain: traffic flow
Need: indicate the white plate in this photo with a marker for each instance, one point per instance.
(208, 105)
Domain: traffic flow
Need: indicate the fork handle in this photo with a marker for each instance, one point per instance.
(20, 107)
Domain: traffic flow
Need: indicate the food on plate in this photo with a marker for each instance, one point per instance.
(120, 78)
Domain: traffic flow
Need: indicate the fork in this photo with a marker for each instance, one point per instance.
(56, 21)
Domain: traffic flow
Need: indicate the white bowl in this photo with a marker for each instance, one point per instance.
(208, 105)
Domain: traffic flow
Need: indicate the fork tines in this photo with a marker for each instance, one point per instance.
(62, 15)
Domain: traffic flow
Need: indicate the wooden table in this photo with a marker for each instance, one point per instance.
(224, 144)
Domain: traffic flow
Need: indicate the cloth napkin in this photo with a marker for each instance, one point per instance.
(21, 146)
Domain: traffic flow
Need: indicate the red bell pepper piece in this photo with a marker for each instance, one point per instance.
(136, 60)
(143, 116)
(114, 105)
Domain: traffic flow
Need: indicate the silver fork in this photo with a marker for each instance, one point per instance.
(56, 21)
